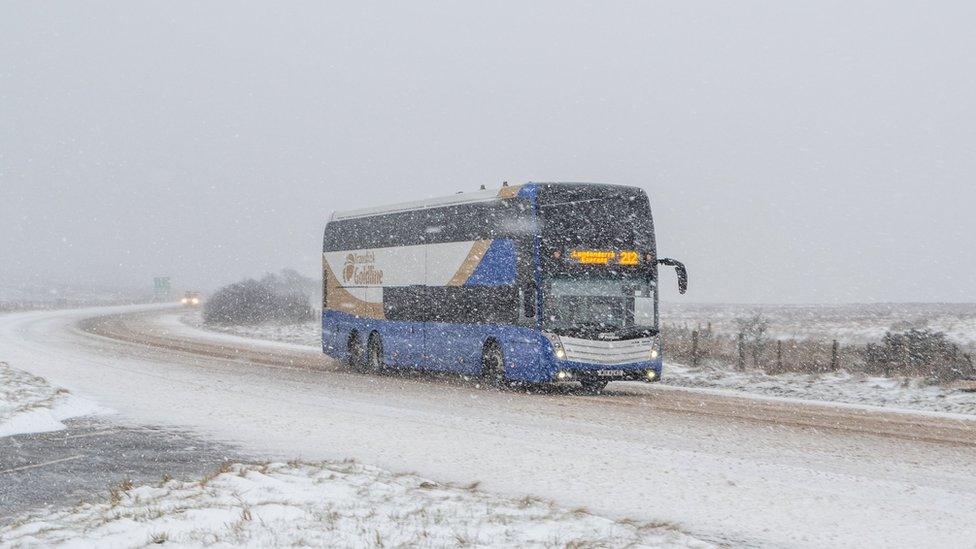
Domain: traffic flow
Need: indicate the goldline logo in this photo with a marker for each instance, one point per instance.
(359, 269)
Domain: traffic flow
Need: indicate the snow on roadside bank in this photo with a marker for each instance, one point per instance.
(901, 393)
(341, 504)
(29, 404)
(304, 333)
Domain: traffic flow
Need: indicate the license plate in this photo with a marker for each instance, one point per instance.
(609, 373)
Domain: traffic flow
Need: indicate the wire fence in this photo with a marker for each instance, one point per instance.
(915, 353)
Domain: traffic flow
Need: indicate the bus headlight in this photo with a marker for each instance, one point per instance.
(651, 375)
(654, 354)
(557, 346)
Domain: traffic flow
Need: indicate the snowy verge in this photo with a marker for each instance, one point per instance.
(851, 388)
(29, 404)
(308, 334)
(335, 504)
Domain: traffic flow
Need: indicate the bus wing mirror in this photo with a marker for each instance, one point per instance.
(680, 269)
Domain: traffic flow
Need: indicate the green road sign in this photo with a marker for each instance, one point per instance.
(161, 288)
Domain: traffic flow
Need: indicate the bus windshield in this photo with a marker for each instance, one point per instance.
(588, 306)
(610, 298)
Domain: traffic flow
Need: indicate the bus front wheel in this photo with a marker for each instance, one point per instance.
(493, 365)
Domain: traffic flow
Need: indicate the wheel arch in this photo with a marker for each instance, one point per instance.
(492, 340)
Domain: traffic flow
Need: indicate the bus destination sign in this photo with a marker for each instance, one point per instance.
(605, 257)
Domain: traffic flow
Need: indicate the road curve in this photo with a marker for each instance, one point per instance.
(139, 329)
(736, 470)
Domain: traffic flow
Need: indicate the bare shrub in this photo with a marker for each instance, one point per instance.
(754, 331)
(918, 353)
(273, 298)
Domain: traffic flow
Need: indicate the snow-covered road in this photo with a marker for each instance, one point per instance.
(717, 475)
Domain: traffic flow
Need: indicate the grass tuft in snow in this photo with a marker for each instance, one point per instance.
(29, 404)
(22, 392)
(328, 504)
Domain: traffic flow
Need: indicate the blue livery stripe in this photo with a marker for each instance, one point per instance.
(497, 266)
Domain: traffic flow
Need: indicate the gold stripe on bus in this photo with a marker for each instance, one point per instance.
(470, 263)
(509, 192)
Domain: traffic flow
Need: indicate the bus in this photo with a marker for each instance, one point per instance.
(532, 283)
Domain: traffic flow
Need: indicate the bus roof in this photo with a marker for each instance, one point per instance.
(459, 198)
(485, 195)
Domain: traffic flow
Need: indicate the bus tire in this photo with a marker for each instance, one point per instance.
(356, 358)
(493, 365)
(374, 354)
(593, 386)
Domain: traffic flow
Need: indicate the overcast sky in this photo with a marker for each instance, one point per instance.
(793, 151)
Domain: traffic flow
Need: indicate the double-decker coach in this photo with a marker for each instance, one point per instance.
(541, 282)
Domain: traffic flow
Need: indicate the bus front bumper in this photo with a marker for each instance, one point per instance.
(648, 372)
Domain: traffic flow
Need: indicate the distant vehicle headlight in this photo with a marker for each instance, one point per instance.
(184, 301)
(196, 301)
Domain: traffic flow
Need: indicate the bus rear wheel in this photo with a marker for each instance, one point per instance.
(593, 386)
(374, 354)
(493, 365)
(355, 353)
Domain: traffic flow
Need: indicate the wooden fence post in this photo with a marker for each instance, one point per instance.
(694, 348)
(779, 355)
(833, 356)
(741, 365)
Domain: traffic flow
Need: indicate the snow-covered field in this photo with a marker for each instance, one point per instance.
(902, 393)
(28, 404)
(61, 296)
(852, 323)
(327, 504)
